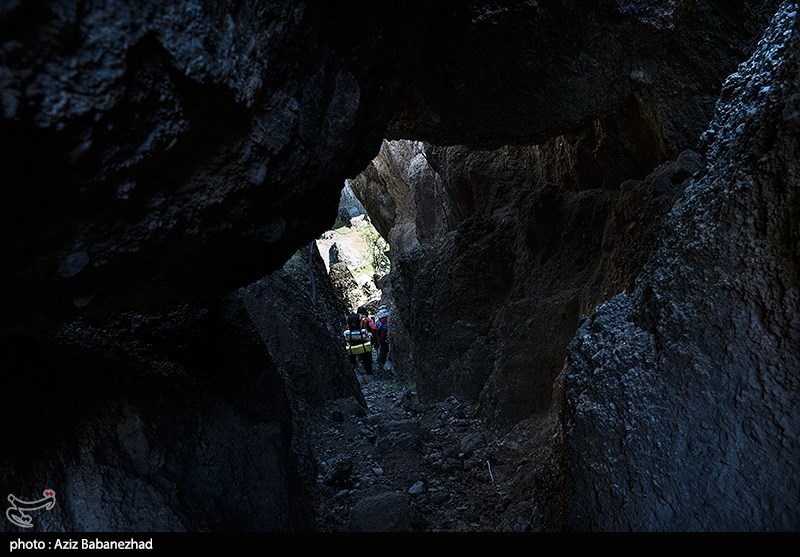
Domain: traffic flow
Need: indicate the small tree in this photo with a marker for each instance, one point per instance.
(377, 250)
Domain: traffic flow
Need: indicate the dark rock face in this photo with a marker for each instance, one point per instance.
(156, 155)
(385, 512)
(683, 395)
(408, 205)
(405, 196)
(349, 205)
(554, 66)
(491, 303)
(190, 419)
(345, 286)
(338, 472)
(300, 319)
(498, 253)
(170, 421)
(179, 145)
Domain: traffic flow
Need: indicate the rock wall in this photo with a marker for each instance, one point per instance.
(409, 207)
(518, 72)
(194, 147)
(300, 319)
(683, 394)
(498, 253)
(190, 419)
(490, 305)
(158, 155)
(190, 146)
(173, 421)
(349, 205)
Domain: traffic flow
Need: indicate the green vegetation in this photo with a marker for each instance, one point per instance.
(378, 247)
(365, 247)
(398, 387)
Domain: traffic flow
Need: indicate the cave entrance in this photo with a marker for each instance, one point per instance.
(356, 256)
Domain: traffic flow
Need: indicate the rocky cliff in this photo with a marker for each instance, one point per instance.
(507, 248)
(179, 145)
(512, 71)
(686, 410)
(188, 419)
(300, 319)
(192, 147)
(683, 394)
(494, 270)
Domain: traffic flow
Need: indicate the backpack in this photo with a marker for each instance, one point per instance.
(357, 339)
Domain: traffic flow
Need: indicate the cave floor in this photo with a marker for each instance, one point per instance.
(405, 465)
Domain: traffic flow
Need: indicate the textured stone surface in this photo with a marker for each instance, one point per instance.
(156, 155)
(683, 395)
(407, 205)
(346, 288)
(300, 319)
(338, 472)
(349, 205)
(497, 253)
(187, 146)
(556, 65)
(385, 512)
(196, 147)
(171, 421)
(186, 419)
(490, 299)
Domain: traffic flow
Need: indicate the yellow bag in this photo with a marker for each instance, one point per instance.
(357, 342)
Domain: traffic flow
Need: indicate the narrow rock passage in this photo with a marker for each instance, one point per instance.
(581, 214)
(403, 465)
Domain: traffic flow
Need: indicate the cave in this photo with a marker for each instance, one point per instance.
(588, 215)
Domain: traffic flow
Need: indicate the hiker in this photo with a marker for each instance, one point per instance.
(358, 342)
(382, 337)
(368, 323)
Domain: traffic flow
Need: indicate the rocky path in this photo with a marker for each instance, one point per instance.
(399, 465)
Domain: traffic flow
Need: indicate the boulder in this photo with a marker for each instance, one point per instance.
(385, 512)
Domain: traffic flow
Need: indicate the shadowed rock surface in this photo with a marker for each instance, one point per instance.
(189, 147)
(190, 419)
(512, 71)
(349, 205)
(156, 156)
(683, 395)
(171, 421)
(386, 512)
(493, 266)
(192, 147)
(299, 316)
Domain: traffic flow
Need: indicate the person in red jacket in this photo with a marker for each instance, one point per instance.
(381, 337)
(368, 323)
